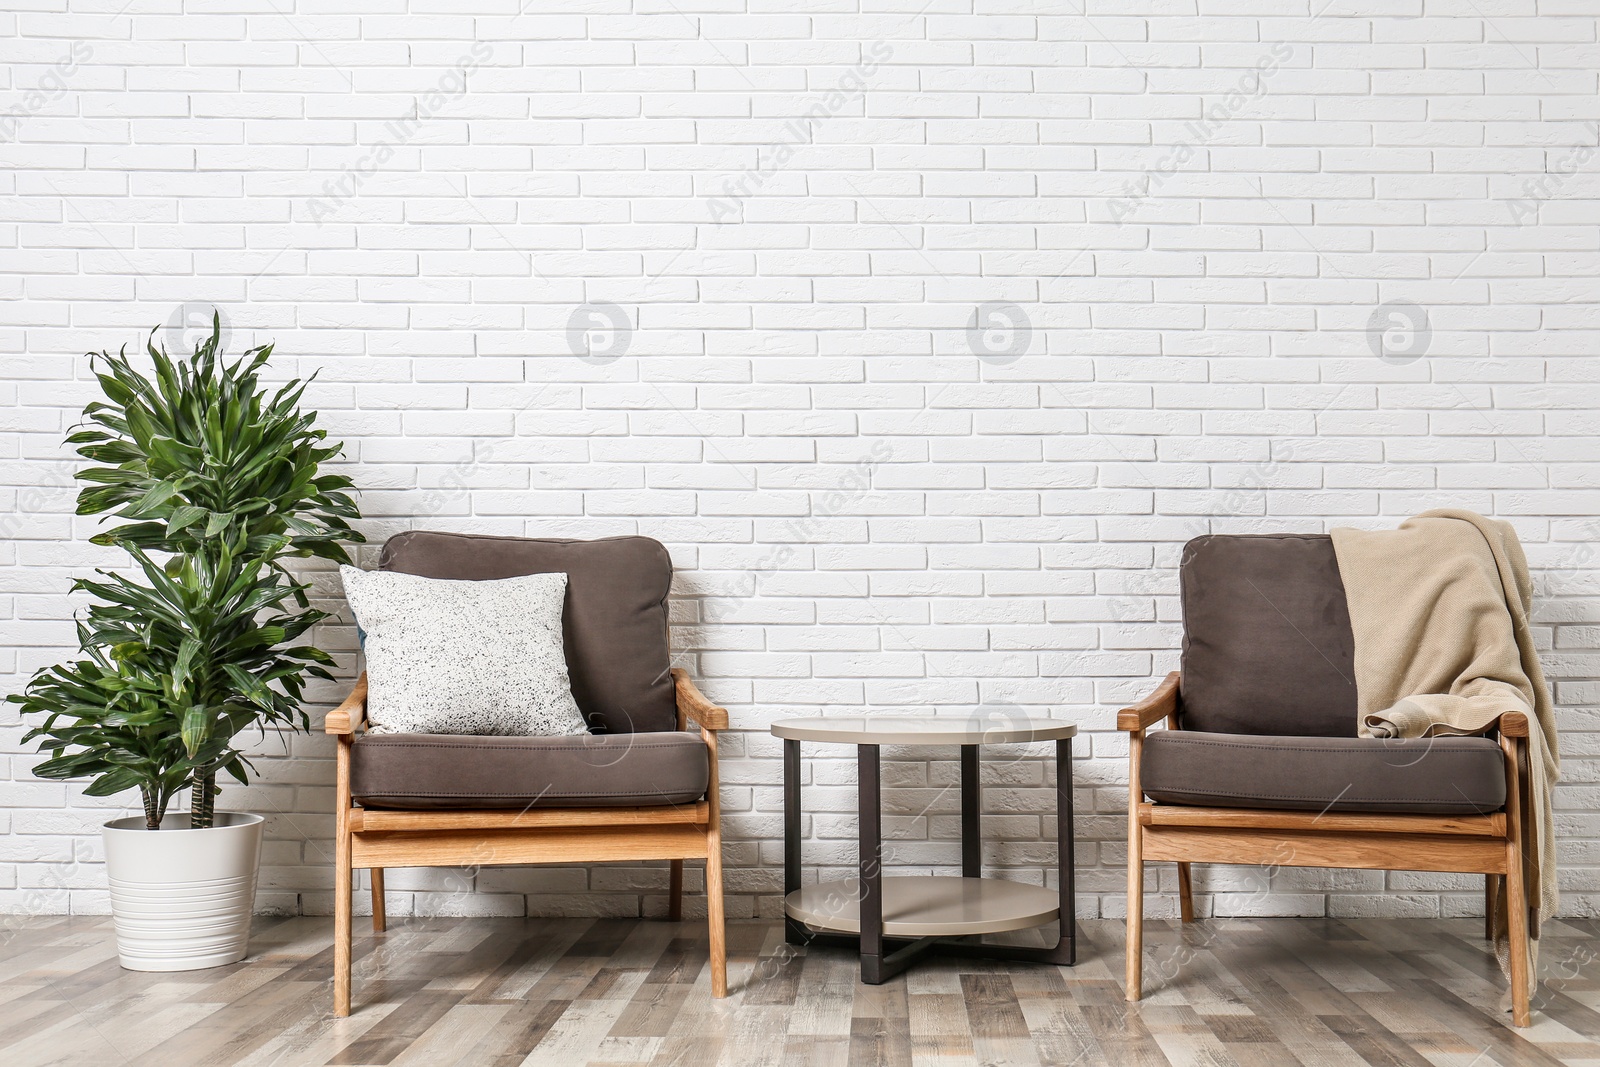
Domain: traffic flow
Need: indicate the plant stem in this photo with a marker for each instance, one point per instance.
(202, 804)
(152, 813)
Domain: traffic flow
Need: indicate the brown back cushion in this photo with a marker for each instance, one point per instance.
(1267, 647)
(615, 621)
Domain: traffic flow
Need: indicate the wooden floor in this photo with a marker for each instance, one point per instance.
(501, 992)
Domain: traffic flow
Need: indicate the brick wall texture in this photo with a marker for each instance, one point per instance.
(923, 334)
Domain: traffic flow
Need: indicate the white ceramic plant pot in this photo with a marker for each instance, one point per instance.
(181, 899)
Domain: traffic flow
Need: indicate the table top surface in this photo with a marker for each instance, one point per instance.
(979, 728)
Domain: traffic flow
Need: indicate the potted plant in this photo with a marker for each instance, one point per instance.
(214, 483)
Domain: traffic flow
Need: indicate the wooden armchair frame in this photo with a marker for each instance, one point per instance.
(1468, 844)
(378, 839)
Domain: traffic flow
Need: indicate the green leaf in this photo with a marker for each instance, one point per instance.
(196, 727)
(249, 685)
(114, 782)
(148, 504)
(183, 517)
(188, 650)
(74, 766)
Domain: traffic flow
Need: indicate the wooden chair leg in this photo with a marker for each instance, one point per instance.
(380, 918)
(342, 893)
(1491, 894)
(675, 893)
(1516, 892)
(343, 877)
(1517, 932)
(719, 942)
(714, 917)
(1185, 893)
(1135, 873)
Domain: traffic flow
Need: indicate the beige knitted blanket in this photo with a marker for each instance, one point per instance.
(1439, 610)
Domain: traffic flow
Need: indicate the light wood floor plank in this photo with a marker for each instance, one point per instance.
(631, 993)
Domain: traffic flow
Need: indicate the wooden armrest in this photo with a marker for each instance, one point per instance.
(692, 704)
(350, 716)
(1513, 724)
(1153, 708)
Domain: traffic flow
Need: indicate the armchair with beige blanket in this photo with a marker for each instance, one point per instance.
(1362, 700)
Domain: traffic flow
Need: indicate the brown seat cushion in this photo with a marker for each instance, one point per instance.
(1267, 645)
(1433, 775)
(614, 623)
(593, 770)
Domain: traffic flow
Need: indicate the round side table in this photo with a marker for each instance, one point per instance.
(895, 919)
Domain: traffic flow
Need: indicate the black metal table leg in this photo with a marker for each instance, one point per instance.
(1066, 855)
(971, 840)
(869, 861)
(877, 965)
(794, 932)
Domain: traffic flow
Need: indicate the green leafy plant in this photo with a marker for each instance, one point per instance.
(217, 483)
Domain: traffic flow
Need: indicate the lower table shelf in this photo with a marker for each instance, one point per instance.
(935, 906)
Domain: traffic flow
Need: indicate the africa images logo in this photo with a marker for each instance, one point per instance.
(1398, 332)
(999, 333)
(599, 333)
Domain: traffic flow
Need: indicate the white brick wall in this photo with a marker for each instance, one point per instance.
(943, 330)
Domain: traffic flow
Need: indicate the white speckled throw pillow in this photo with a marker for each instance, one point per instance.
(458, 657)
